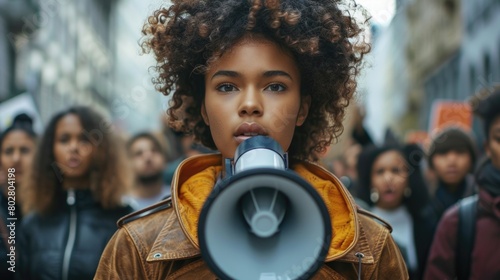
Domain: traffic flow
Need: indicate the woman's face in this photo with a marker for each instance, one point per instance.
(493, 142)
(17, 152)
(253, 89)
(389, 178)
(72, 150)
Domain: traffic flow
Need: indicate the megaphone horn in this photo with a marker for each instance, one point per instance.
(263, 221)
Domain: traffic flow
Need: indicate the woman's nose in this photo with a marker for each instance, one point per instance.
(251, 103)
(73, 145)
(16, 156)
(389, 177)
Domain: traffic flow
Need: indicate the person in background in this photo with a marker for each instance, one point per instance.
(282, 69)
(344, 167)
(72, 199)
(148, 162)
(395, 191)
(452, 157)
(17, 146)
(359, 133)
(174, 149)
(467, 241)
(350, 160)
(188, 147)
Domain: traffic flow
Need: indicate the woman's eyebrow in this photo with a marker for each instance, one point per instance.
(226, 73)
(274, 73)
(267, 74)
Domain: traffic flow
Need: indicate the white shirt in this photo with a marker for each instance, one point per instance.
(138, 203)
(402, 232)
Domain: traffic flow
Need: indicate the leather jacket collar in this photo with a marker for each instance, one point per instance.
(186, 247)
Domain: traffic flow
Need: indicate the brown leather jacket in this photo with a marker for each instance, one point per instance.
(158, 246)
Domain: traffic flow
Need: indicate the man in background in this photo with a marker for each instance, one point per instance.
(148, 162)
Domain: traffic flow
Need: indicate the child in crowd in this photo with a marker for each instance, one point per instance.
(451, 157)
(236, 69)
(468, 236)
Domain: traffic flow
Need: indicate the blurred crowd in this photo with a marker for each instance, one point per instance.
(63, 188)
(70, 186)
(440, 195)
(79, 177)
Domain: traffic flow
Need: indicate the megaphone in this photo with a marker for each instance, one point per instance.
(263, 221)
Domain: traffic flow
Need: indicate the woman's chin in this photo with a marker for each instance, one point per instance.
(389, 203)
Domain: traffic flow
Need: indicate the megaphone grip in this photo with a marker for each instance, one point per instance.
(264, 209)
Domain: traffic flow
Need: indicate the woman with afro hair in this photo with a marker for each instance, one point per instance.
(236, 69)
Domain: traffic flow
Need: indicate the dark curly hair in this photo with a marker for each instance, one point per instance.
(323, 37)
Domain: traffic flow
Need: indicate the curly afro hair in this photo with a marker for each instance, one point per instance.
(322, 35)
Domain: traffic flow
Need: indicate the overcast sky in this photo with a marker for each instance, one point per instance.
(382, 11)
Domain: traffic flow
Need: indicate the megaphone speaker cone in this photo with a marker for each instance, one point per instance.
(263, 209)
(283, 229)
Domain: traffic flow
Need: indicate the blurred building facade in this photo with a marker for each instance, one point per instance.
(472, 61)
(451, 52)
(65, 53)
(12, 14)
(137, 106)
(387, 78)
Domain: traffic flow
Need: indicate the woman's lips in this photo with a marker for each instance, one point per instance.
(247, 130)
(241, 138)
(452, 171)
(73, 163)
(389, 196)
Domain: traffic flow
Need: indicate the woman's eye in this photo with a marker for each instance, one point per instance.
(82, 138)
(226, 88)
(64, 139)
(276, 87)
(8, 151)
(25, 150)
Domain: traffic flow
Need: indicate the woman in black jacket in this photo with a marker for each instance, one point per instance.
(72, 199)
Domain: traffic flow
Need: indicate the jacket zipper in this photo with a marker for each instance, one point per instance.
(68, 250)
(360, 256)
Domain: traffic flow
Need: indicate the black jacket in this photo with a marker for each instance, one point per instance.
(9, 221)
(68, 243)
